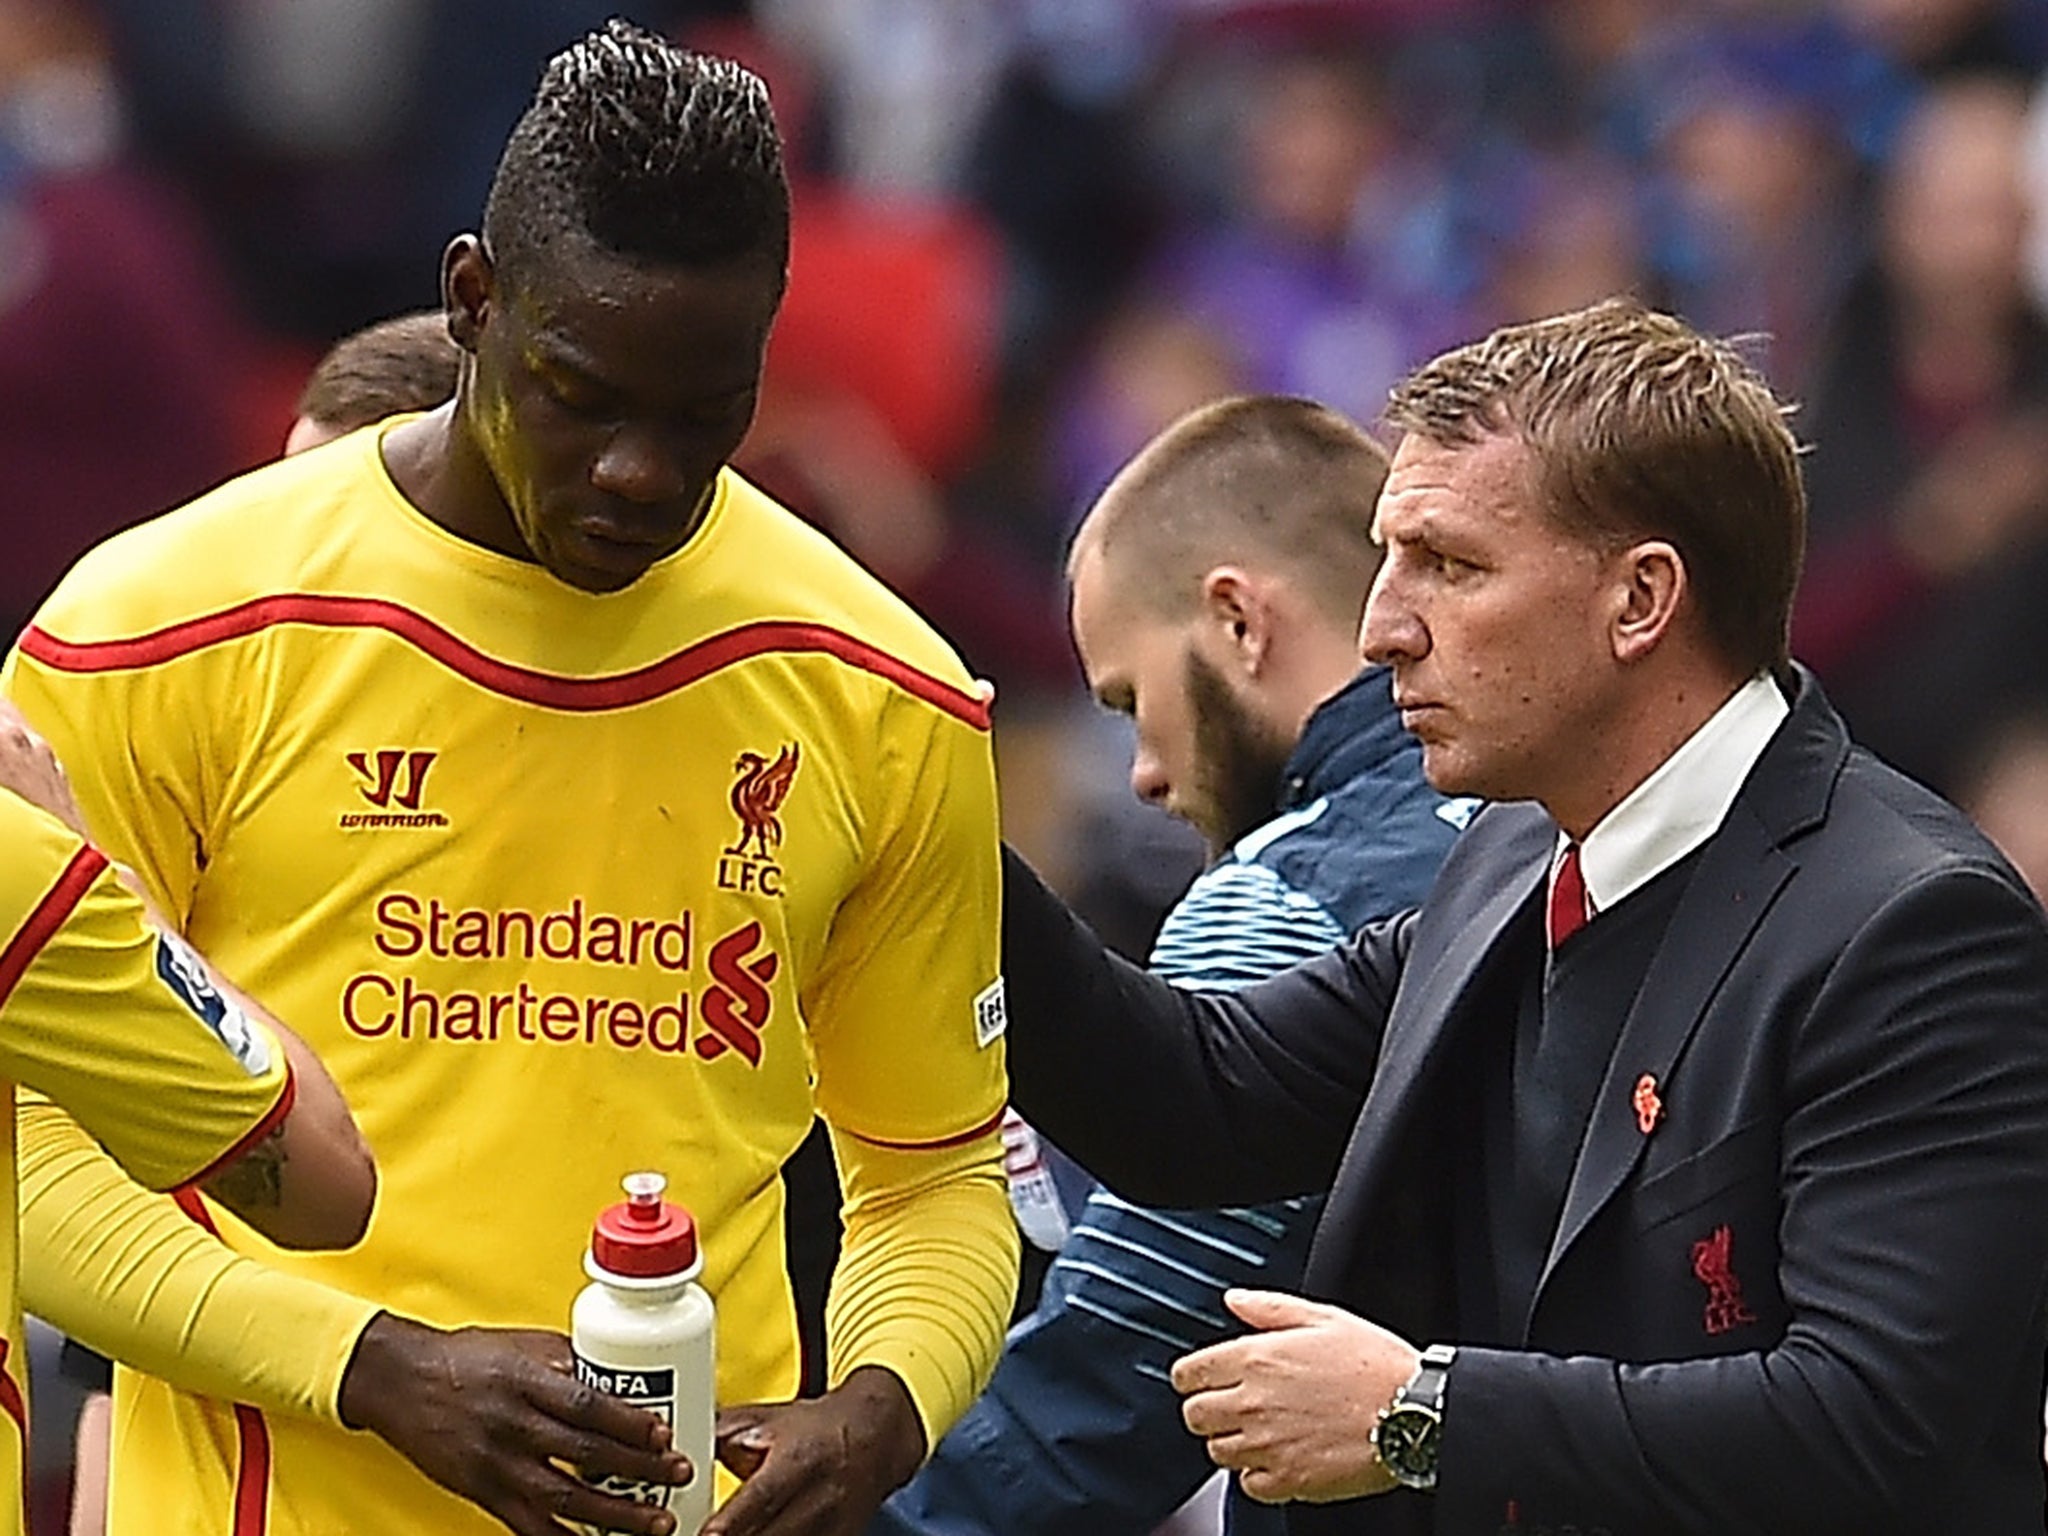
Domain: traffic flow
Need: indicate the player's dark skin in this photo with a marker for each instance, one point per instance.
(598, 400)
(597, 404)
(486, 1412)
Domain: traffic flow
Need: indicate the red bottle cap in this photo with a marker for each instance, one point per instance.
(645, 1236)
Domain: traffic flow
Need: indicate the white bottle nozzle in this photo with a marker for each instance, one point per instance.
(644, 1191)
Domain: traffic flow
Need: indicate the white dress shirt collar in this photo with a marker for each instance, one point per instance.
(1684, 802)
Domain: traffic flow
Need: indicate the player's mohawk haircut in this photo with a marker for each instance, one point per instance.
(646, 149)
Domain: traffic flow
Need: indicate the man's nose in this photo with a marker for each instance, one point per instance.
(636, 466)
(1148, 778)
(1390, 631)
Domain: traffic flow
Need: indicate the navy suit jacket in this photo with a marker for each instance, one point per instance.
(1809, 1298)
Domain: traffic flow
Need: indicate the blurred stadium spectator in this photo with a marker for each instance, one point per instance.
(1929, 470)
(119, 342)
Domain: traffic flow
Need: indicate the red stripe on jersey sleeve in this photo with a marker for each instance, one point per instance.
(50, 915)
(11, 1401)
(941, 1144)
(252, 1432)
(187, 1200)
(16, 1408)
(550, 690)
(262, 1128)
(252, 1472)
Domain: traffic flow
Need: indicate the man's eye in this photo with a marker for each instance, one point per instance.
(575, 397)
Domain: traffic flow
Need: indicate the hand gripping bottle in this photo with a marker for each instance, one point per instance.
(642, 1331)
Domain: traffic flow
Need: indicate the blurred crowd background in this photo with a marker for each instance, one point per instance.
(1031, 232)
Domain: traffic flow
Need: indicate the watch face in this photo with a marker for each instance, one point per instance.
(1406, 1441)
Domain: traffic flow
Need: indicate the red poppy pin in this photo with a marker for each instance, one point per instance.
(1649, 1108)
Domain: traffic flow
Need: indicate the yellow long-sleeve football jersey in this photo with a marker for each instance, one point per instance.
(560, 886)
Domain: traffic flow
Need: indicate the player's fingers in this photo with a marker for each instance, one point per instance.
(30, 768)
(581, 1406)
(603, 1445)
(539, 1512)
(1233, 1452)
(762, 1502)
(584, 1506)
(596, 1456)
(1277, 1309)
(17, 736)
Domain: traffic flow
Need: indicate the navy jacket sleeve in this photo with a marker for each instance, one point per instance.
(1079, 1433)
(1173, 1097)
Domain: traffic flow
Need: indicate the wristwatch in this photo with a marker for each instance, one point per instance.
(1405, 1435)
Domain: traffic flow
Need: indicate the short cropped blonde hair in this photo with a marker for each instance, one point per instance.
(1266, 478)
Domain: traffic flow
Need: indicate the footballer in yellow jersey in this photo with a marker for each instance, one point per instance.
(122, 1026)
(560, 886)
(593, 814)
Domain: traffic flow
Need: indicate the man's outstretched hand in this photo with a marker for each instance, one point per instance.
(488, 1412)
(820, 1466)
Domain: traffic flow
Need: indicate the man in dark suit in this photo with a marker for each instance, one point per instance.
(1698, 1122)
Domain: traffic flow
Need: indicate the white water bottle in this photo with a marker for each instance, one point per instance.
(642, 1331)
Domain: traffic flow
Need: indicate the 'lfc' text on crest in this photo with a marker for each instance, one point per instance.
(758, 790)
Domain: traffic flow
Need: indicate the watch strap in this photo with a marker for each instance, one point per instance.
(1432, 1377)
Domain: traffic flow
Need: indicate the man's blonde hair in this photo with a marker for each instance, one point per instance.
(1266, 479)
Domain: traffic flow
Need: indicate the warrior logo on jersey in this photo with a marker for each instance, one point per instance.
(392, 780)
(758, 790)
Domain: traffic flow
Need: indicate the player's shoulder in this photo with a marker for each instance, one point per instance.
(777, 566)
(256, 534)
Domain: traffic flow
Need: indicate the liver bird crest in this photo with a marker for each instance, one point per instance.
(757, 795)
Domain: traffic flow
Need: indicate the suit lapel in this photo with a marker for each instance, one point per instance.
(1422, 1020)
(1742, 870)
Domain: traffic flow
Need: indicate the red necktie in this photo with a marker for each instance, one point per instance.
(1569, 907)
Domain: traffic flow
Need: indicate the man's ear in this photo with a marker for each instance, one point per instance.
(1653, 586)
(468, 285)
(1239, 614)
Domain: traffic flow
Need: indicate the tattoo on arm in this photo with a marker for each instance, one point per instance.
(255, 1180)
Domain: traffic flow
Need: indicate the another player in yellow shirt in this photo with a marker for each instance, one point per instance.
(594, 813)
(121, 1026)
